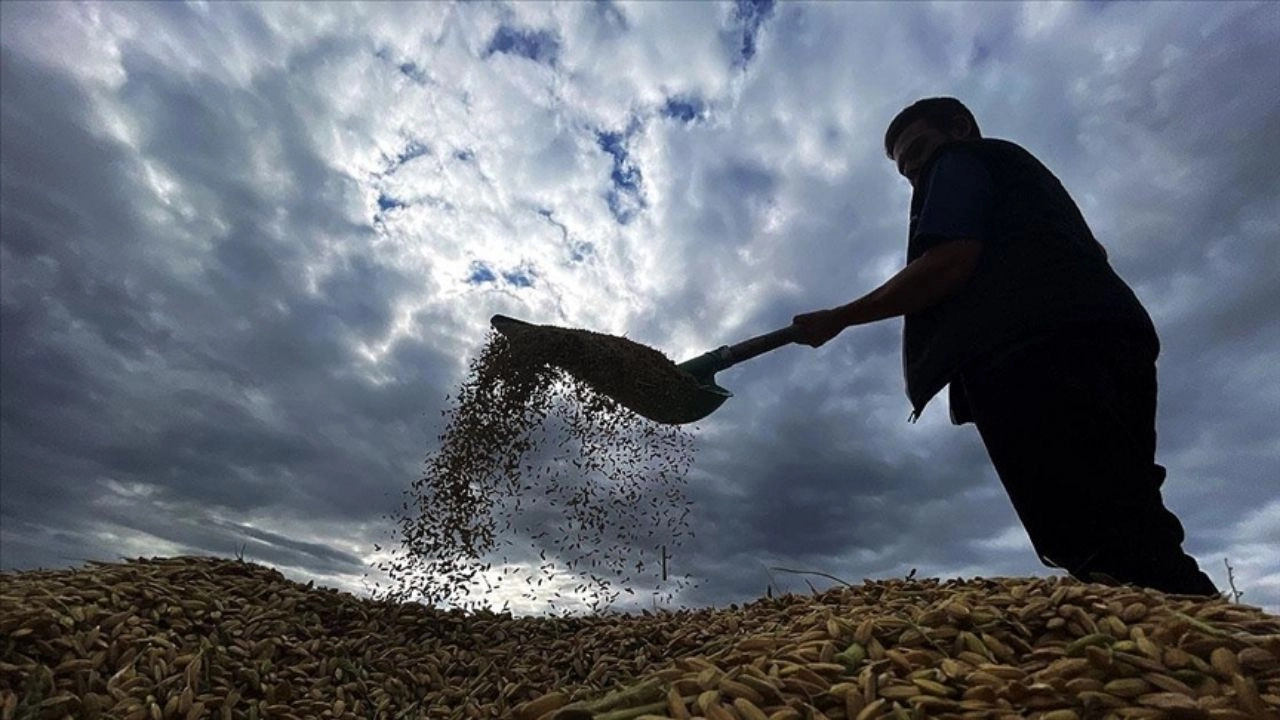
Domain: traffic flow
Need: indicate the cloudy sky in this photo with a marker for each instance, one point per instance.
(247, 251)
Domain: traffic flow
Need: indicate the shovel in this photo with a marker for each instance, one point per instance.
(692, 393)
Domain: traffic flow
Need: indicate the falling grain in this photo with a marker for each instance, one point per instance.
(544, 481)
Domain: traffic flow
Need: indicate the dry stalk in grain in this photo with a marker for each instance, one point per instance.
(533, 453)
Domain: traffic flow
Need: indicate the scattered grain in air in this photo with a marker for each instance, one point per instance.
(544, 481)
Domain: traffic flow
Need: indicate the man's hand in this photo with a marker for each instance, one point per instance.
(816, 328)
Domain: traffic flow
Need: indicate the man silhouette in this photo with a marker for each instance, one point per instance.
(1009, 300)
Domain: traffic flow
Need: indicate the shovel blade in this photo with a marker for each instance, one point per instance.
(698, 404)
(666, 394)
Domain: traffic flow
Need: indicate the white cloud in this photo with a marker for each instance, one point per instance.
(1261, 526)
(1010, 539)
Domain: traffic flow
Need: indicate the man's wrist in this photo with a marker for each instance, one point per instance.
(853, 313)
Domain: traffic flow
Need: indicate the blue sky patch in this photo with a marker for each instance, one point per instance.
(625, 197)
(413, 72)
(413, 150)
(480, 274)
(540, 46)
(408, 68)
(684, 109)
(386, 202)
(625, 174)
(752, 14)
(521, 277)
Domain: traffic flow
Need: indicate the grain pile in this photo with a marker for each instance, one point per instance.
(544, 481)
(1007, 649)
(202, 637)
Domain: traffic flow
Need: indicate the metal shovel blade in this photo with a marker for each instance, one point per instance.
(637, 377)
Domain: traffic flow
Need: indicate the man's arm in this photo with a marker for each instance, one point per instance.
(934, 276)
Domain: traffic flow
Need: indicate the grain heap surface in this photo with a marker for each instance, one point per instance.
(202, 637)
(541, 476)
(196, 637)
(1053, 649)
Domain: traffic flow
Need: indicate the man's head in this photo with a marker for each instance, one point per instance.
(919, 130)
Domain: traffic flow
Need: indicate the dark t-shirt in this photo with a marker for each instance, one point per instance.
(957, 202)
(1040, 273)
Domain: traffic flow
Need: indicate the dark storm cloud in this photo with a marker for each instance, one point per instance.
(190, 358)
(1209, 272)
(832, 490)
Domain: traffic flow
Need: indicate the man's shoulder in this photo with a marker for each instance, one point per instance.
(982, 160)
(981, 148)
(1000, 156)
(971, 159)
(1001, 142)
(991, 145)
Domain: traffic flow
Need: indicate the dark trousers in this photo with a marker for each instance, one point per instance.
(1069, 423)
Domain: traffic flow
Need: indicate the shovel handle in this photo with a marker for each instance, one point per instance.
(761, 344)
(705, 366)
